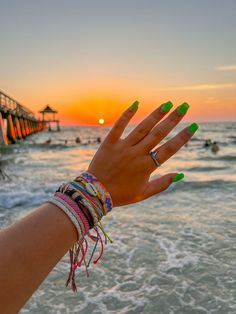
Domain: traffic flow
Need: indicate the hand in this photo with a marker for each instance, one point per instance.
(124, 166)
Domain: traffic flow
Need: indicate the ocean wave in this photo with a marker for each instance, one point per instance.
(58, 146)
(6, 149)
(175, 258)
(206, 168)
(212, 184)
(12, 199)
(223, 158)
(197, 139)
(47, 146)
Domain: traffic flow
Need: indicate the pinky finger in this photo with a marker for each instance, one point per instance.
(121, 123)
(159, 185)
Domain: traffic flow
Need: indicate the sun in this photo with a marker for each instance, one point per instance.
(101, 121)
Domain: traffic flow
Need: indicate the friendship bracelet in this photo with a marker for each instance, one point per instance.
(85, 194)
(78, 196)
(85, 201)
(104, 194)
(83, 222)
(66, 210)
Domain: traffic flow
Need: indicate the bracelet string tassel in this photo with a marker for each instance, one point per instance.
(85, 201)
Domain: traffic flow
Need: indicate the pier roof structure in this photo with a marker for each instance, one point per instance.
(49, 111)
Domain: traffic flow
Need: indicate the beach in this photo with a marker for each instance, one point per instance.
(172, 253)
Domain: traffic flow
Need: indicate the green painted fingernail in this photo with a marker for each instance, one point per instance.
(183, 108)
(134, 105)
(166, 106)
(178, 177)
(192, 128)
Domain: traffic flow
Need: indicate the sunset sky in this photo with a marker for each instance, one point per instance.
(92, 59)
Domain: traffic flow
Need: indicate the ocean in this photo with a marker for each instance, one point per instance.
(173, 253)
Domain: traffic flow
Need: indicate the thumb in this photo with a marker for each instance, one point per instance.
(159, 185)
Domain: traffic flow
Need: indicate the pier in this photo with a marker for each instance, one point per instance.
(46, 113)
(16, 121)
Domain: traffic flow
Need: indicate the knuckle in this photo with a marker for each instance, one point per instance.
(169, 150)
(156, 115)
(123, 118)
(142, 130)
(183, 136)
(160, 133)
(166, 152)
(173, 118)
(127, 114)
(116, 127)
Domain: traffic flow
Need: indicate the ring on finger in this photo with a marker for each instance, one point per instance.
(153, 155)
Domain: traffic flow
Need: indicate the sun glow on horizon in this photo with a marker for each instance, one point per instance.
(101, 121)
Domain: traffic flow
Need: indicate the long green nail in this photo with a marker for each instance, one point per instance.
(166, 106)
(183, 108)
(178, 177)
(134, 106)
(192, 128)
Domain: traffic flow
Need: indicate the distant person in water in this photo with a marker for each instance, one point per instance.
(98, 139)
(48, 141)
(77, 140)
(214, 148)
(207, 143)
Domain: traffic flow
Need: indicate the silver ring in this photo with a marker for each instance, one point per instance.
(154, 158)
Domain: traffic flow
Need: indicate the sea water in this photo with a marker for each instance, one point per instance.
(172, 253)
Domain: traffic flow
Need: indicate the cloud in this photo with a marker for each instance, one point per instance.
(200, 87)
(226, 68)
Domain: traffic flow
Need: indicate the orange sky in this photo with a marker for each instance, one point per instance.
(86, 102)
(92, 60)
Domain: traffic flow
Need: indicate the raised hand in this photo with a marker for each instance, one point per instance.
(124, 166)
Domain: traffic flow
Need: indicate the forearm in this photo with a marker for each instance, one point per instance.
(29, 250)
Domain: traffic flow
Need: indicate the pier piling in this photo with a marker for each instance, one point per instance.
(11, 134)
(16, 121)
(3, 136)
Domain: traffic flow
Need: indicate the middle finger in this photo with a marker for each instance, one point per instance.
(162, 129)
(148, 123)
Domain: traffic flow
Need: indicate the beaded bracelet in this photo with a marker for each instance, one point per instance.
(85, 201)
(103, 194)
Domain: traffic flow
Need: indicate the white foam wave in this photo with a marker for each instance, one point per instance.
(175, 258)
(12, 199)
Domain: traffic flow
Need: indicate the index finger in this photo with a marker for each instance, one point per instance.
(120, 125)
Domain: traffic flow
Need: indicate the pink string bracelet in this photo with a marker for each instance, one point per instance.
(85, 201)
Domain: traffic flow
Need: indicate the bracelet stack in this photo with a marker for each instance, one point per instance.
(85, 201)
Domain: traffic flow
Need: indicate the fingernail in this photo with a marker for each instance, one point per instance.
(134, 106)
(192, 128)
(183, 108)
(166, 106)
(178, 177)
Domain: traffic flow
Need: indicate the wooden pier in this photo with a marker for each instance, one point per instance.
(16, 121)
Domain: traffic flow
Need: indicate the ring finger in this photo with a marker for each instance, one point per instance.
(169, 148)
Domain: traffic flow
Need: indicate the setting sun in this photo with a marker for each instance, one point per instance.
(101, 121)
